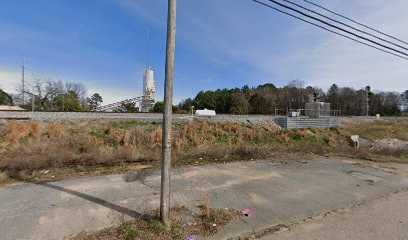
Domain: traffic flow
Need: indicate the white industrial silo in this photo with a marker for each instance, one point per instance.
(149, 90)
(149, 84)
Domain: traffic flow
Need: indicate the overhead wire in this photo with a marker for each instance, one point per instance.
(337, 27)
(356, 22)
(344, 24)
(329, 30)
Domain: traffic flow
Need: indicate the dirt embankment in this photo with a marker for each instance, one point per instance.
(41, 150)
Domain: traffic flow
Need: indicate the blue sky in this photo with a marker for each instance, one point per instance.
(220, 44)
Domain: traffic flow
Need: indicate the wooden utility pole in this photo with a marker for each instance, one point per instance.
(167, 114)
(32, 102)
(23, 80)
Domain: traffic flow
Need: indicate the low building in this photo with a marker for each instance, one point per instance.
(10, 108)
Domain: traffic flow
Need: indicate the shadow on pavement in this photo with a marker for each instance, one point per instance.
(96, 200)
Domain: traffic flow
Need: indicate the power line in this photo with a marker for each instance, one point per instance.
(353, 21)
(336, 27)
(329, 30)
(344, 24)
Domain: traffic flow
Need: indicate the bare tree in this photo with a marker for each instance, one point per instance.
(51, 95)
(77, 89)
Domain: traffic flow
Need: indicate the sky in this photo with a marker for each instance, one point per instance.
(106, 44)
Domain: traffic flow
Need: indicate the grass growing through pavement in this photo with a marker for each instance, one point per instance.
(185, 223)
(29, 149)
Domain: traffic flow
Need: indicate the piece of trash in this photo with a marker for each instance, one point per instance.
(226, 208)
(190, 238)
(53, 176)
(46, 171)
(252, 159)
(195, 224)
(200, 158)
(214, 225)
(247, 212)
(196, 162)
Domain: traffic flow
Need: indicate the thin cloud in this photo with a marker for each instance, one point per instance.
(297, 50)
(9, 80)
(207, 80)
(147, 10)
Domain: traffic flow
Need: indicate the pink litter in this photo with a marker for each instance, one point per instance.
(247, 212)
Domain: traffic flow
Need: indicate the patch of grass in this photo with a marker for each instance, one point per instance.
(99, 134)
(128, 231)
(4, 178)
(157, 226)
(379, 129)
(184, 224)
(128, 124)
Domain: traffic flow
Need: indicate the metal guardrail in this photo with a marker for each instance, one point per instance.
(307, 122)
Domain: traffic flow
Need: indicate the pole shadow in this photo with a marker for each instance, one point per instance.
(96, 200)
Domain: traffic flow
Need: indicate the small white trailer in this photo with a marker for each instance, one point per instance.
(205, 113)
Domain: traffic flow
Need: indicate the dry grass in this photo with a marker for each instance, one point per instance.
(4, 177)
(15, 132)
(379, 129)
(29, 146)
(184, 224)
(54, 130)
(302, 133)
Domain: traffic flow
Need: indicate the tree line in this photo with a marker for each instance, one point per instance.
(52, 95)
(267, 99)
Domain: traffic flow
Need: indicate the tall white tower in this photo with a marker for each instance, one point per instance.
(149, 90)
(149, 84)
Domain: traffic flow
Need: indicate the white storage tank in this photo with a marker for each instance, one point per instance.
(149, 84)
(205, 113)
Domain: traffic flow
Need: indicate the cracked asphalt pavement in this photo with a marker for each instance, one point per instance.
(279, 194)
(382, 218)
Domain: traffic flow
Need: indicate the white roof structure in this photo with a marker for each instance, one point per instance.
(10, 108)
